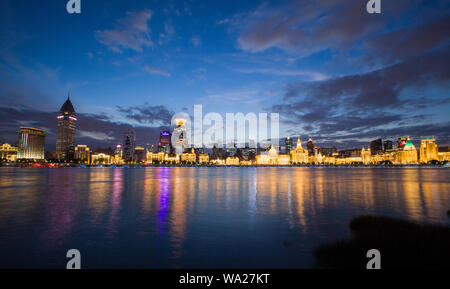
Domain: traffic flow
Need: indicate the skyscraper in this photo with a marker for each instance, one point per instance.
(310, 146)
(376, 146)
(164, 144)
(31, 143)
(129, 143)
(180, 136)
(66, 131)
(387, 146)
(288, 144)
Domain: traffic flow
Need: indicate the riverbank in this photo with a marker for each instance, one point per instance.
(66, 165)
(402, 244)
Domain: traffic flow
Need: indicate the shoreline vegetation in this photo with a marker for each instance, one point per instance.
(73, 165)
(402, 244)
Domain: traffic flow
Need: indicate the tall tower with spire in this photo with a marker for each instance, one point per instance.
(65, 139)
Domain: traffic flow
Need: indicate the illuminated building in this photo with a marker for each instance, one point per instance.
(164, 144)
(140, 154)
(189, 157)
(172, 159)
(129, 143)
(101, 159)
(407, 155)
(82, 153)
(348, 161)
(376, 146)
(310, 147)
(283, 160)
(232, 161)
(116, 160)
(31, 143)
(203, 158)
(428, 150)
(366, 156)
(66, 131)
(444, 156)
(8, 152)
(219, 162)
(272, 158)
(299, 155)
(118, 152)
(180, 136)
(155, 157)
(288, 145)
(246, 163)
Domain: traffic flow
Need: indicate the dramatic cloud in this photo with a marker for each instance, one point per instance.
(130, 32)
(147, 114)
(304, 27)
(404, 43)
(358, 104)
(156, 70)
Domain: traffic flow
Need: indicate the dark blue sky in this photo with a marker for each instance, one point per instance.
(332, 71)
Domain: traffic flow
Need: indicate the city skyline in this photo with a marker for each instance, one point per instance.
(66, 124)
(140, 62)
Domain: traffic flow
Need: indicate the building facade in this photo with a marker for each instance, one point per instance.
(8, 152)
(299, 155)
(31, 143)
(428, 150)
(82, 154)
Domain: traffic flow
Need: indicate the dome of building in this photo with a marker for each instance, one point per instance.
(409, 145)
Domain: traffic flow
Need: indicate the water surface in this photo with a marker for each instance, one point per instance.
(201, 217)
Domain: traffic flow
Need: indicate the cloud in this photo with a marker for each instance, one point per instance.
(155, 70)
(304, 26)
(407, 42)
(130, 32)
(361, 104)
(147, 114)
(96, 135)
(166, 36)
(310, 75)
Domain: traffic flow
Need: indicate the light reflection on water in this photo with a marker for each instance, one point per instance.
(201, 217)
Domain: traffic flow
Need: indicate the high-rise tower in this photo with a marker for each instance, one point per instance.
(129, 144)
(65, 139)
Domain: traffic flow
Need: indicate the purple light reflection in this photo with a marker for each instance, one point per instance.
(164, 192)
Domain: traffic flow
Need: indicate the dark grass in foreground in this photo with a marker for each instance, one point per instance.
(401, 244)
